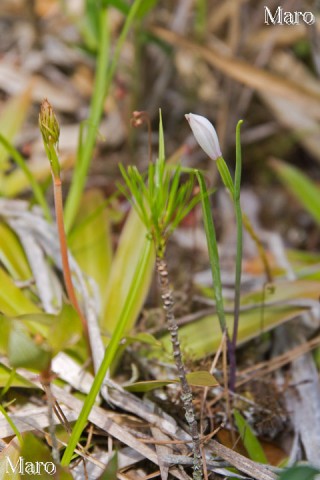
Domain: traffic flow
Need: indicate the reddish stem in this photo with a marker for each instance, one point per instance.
(57, 189)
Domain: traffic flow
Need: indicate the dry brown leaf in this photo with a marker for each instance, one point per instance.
(280, 37)
(251, 76)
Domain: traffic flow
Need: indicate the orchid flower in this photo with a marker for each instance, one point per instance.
(205, 134)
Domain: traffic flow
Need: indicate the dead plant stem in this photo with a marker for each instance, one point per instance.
(168, 303)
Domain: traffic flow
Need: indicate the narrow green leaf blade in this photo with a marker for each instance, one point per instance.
(212, 248)
(250, 441)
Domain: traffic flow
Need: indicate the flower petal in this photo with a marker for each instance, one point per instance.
(205, 134)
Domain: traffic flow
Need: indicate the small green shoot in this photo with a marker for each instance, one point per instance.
(162, 201)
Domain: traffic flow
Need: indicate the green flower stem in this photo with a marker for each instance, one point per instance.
(108, 356)
(234, 189)
(238, 212)
(104, 77)
(225, 175)
(212, 249)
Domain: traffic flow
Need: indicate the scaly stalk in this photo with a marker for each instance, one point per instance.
(168, 304)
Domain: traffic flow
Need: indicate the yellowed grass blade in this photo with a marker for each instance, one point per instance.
(90, 240)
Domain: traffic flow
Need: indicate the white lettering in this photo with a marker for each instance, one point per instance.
(309, 18)
(276, 19)
(50, 468)
(29, 468)
(14, 468)
(289, 18)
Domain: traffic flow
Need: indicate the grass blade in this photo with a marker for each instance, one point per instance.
(110, 353)
(250, 441)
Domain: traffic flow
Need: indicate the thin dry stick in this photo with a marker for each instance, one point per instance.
(167, 298)
(203, 439)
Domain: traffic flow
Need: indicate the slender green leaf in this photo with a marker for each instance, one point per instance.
(255, 319)
(212, 249)
(12, 424)
(9, 376)
(250, 441)
(111, 351)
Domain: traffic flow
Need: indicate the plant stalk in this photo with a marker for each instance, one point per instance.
(233, 345)
(96, 107)
(238, 214)
(168, 303)
(57, 190)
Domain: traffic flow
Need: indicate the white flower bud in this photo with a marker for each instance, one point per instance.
(205, 135)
